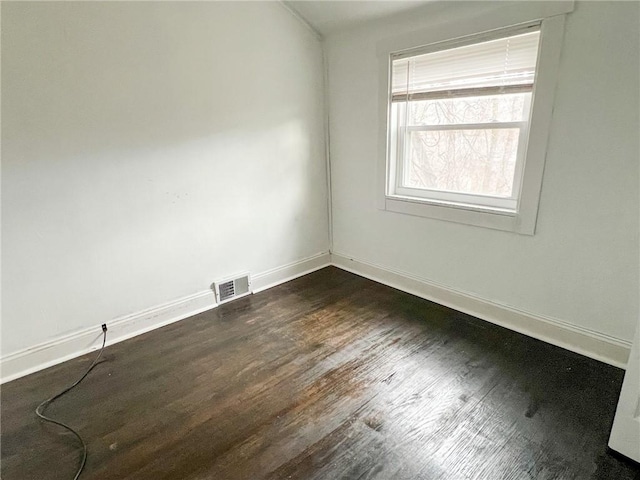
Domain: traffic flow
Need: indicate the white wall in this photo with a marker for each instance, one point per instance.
(148, 149)
(581, 266)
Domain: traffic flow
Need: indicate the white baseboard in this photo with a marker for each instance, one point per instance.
(279, 275)
(52, 352)
(580, 340)
(65, 348)
(604, 348)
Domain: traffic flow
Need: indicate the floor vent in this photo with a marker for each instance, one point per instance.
(231, 289)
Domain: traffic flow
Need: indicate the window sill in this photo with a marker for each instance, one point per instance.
(494, 218)
(458, 205)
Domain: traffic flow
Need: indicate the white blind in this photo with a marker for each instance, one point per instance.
(503, 62)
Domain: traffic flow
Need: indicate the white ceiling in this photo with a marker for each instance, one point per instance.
(327, 16)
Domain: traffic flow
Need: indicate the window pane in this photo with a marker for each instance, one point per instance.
(483, 109)
(480, 162)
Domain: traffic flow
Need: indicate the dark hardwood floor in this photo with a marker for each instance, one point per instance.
(330, 376)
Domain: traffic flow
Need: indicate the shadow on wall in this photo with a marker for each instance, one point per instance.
(148, 149)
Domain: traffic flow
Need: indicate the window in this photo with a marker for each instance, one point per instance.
(460, 118)
(468, 125)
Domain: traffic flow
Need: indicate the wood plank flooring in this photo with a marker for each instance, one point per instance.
(330, 376)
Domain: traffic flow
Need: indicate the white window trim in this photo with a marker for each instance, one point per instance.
(524, 220)
(463, 200)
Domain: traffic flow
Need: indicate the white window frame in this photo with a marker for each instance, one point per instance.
(397, 160)
(523, 219)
